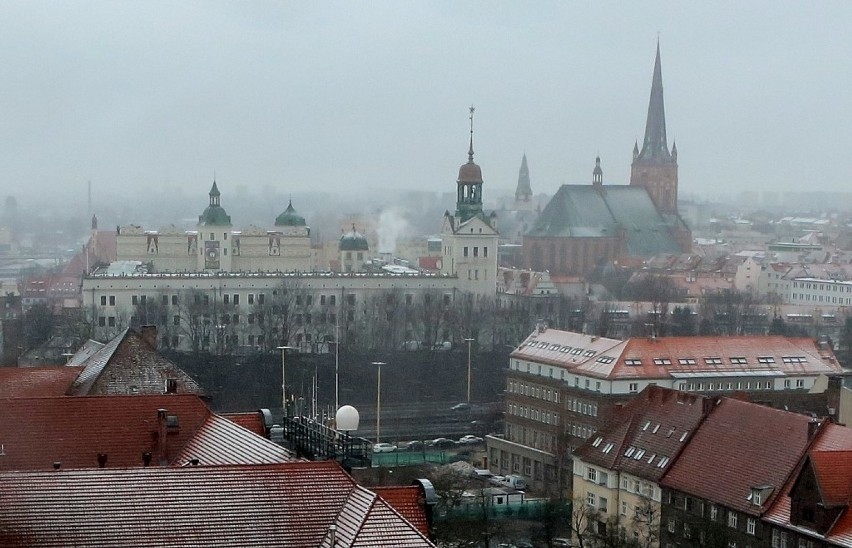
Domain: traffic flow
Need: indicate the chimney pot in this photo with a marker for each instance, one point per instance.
(146, 458)
(56, 465)
(102, 460)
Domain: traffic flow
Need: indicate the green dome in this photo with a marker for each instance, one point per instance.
(353, 241)
(289, 217)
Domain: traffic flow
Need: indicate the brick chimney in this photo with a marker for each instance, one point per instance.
(149, 335)
(162, 437)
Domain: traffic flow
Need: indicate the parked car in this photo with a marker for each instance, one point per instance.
(513, 481)
(415, 445)
(560, 543)
(463, 406)
(441, 443)
(470, 440)
(480, 473)
(383, 448)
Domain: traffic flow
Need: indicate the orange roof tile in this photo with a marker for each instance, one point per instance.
(36, 382)
(407, 500)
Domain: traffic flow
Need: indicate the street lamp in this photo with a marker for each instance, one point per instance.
(469, 341)
(283, 350)
(379, 400)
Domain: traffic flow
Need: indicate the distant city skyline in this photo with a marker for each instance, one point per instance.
(300, 97)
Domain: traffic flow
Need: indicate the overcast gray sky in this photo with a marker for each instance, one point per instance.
(303, 95)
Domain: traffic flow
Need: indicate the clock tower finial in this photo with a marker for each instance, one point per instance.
(470, 151)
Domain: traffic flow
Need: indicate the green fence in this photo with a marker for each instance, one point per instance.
(528, 509)
(413, 458)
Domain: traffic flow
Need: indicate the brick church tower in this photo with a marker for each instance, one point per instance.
(655, 167)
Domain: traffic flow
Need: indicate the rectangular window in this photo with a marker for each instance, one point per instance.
(251, 298)
(465, 251)
(485, 251)
(134, 300)
(590, 500)
(732, 519)
(750, 526)
(103, 300)
(111, 321)
(236, 299)
(634, 387)
(260, 298)
(476, 251)
(226, 299)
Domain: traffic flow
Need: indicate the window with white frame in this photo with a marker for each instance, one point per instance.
(732, 519)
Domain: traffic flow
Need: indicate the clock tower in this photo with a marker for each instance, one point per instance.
(214, 235)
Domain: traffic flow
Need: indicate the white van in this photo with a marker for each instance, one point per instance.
(515, 482)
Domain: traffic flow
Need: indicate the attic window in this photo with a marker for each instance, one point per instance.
(566, 349)
(589, 353)
(630, 451)
(597, 441)
(633, 361)
(686, 361)
(663, 462)
(683, 436)
(655, 429)
(171, 386)
(577, 351)
(671, 431)
(651, 458)
(739, 360)
(662, 361)
(639, 454)
(794, 359)
(647, 424)
(713, 361)
(608, 447)
(765, 359)
(605, 359)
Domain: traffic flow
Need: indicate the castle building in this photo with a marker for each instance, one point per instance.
(584, 226)
(469, 237)
(214, 246)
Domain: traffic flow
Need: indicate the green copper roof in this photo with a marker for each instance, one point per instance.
(353, 241)
(214, 215)
(289, 217)
(585, 211)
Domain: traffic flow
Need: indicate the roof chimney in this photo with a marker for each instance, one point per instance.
(146, 458)
(102, 460)
(813, 428)
(332, 534)
(149, 335)
(162, 437)
(56, 465)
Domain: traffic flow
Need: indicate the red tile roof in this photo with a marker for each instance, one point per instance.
(291, 504)
(36, 382)
(250, 421)
(36, 432)
(645, 437)
(740, 446)
(833, 471)
(830, 438)
(408, 501)
(772, 356)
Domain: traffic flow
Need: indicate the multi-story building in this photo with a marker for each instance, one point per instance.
(562, 385)
(820, 292)
(617, 471)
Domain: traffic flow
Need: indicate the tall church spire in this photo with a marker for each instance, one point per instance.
(523, 192)
(654, 147)
(469, 189)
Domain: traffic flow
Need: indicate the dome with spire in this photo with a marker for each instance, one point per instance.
(214, 214)
(289, 217)
(353, 241)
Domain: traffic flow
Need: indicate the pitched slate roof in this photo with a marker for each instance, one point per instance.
(289, 505)
(36, 382)
(36, 432)
(645, 437)
(740, 446)
(124, 363)
(586, 211)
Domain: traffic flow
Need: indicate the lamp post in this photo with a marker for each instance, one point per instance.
(379, 400)
(283, 350)
(469, 341)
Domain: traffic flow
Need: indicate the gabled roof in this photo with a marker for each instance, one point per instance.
(127, 363)
(36, 432)
(740, 446)
(645, 437)
(833, 471)
(291, 504)
(831, 438)
(36, 382)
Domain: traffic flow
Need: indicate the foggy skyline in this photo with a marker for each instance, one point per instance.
(348, 96)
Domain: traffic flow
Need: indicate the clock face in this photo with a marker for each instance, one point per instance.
(211, 255)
